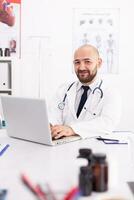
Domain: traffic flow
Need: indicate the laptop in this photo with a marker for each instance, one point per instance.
(27, 119)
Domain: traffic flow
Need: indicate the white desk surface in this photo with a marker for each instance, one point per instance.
(59, 166)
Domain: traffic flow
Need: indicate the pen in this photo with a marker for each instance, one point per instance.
(71, 194)
(36, 190)
(107, 139)
(113, 142)
(38, 187)
(51, 193)
(4, 149)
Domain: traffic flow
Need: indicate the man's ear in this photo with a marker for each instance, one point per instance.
(99, 62)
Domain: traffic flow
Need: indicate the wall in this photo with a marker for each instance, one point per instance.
(46, 58)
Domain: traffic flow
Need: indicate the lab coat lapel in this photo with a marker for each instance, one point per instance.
(71, 99)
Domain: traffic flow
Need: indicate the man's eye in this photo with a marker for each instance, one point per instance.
(76, 62)
(88, 62)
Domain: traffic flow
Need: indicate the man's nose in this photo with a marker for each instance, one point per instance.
(82, 65)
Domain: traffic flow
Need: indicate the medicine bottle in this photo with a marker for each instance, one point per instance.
(85, 153)
(1, 52)
(85, 181)
(7, 52)
(100, 172)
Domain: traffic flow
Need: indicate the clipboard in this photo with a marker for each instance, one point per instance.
(111, 140)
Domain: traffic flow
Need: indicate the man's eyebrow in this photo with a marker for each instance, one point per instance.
(84, 59)
(88, 59)
(76, 59)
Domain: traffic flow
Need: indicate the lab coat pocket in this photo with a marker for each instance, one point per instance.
(93, 113)
(67, 115)
(97, 110)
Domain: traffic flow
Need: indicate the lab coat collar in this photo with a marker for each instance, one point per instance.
(92, 85)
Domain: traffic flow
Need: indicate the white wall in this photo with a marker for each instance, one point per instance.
(46, 59)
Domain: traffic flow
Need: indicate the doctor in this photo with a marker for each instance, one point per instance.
(87, 107)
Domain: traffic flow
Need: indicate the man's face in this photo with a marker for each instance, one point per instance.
(86, 64)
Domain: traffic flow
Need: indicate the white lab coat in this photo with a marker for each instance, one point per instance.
(99, 116)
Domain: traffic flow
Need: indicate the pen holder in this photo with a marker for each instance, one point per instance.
(2, 124)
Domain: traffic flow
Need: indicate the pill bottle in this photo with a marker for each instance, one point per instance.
(100, 172)
(7, 52)
(85, 153)
(1, 52)
(85, 181)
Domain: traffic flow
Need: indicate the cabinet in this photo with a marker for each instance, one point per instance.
(5, 77)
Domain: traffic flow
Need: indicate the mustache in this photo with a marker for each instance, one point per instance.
(81, 71)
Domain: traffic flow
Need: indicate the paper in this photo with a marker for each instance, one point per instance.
(114, 138)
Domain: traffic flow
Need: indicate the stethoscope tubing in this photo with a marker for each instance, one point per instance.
(99, 88)
(61, 105)
(65, 96)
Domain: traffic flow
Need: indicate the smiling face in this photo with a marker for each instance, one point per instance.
(86, 63)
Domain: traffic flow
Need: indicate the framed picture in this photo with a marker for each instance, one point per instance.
(98, 27)
(10, 31)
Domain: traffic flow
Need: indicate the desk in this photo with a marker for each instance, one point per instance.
(58, 166)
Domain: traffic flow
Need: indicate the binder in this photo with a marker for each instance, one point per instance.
(5, 75)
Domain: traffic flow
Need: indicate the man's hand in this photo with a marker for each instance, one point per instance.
(59, 131)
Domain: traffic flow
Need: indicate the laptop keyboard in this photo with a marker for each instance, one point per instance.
(66, 139)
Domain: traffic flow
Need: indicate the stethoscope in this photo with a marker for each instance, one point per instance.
(61, 105)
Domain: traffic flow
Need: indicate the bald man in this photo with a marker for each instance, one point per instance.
(87, 107)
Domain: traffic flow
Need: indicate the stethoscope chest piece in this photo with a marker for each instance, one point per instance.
(61, 105)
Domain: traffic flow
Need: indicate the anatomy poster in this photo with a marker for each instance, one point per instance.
(99, 27)
(10, 28)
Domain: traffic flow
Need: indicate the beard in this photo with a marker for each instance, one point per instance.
(85, 76)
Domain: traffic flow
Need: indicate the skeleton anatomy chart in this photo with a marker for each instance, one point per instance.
(99, 27)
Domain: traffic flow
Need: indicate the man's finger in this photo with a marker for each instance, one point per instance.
(59, 135)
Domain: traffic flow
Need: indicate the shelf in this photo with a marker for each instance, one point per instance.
(5, 76)
(8, 90)
(7, 58)
(3, 92)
